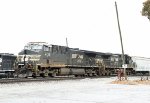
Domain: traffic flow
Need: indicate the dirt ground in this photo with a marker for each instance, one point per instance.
(132, 82)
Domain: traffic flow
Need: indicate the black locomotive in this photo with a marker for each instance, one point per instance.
(7, 64)
(42, 59)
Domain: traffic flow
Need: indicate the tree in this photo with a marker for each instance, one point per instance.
(146, 9)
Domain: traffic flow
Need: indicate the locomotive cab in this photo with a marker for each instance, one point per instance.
(29, 58)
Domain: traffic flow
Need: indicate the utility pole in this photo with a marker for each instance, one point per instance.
(123, 59)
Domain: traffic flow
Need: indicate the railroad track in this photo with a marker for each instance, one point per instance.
(17, 80)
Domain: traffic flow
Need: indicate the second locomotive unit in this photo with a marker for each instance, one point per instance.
(7, 63)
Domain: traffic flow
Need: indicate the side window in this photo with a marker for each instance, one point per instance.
(55, 49)
(46, 48)
(50, 49)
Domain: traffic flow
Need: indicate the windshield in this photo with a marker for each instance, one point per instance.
(34, 47)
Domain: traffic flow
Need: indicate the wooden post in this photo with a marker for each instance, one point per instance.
(123, 60)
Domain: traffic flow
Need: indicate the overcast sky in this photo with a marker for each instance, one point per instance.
(88, 24)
